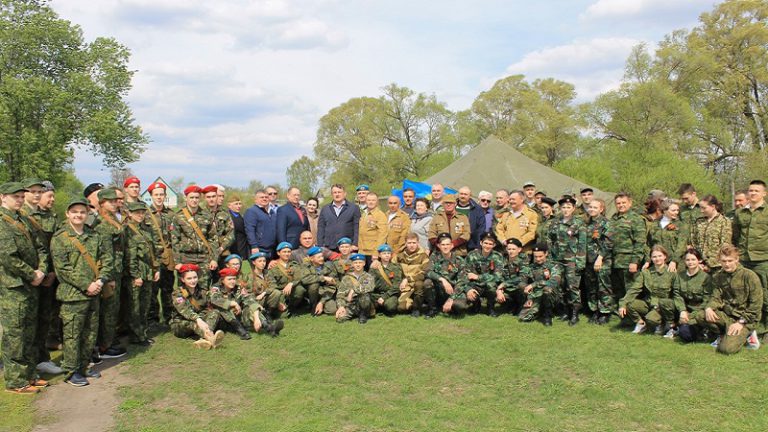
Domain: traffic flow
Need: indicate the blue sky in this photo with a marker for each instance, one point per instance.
(232, 90)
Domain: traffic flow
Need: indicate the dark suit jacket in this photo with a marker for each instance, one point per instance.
(289, 225)
(260, 227)
(330, 228)
(240, 245)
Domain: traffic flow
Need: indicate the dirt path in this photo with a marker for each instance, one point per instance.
(65, 408)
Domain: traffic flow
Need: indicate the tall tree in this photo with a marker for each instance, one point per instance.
(305, 174)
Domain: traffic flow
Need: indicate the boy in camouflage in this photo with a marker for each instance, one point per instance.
(354, 294)
(142, 270)
(389, 281)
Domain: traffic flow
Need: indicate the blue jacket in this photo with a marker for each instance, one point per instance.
(476, 224)
(260, 228)
(330, 228)
(289, 226)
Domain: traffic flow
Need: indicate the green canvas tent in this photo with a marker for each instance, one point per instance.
(494, 164)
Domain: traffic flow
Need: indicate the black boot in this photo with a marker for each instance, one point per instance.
(415, 312)
(564, 315)
(491, 309)
(240, 330)
(547, 319)
(604, 319)
(362, 317)
(574, 315)
(594, 317)
(430, 300)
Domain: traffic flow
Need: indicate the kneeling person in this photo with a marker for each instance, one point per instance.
(541, 284)
(389, 281)
(354, 294)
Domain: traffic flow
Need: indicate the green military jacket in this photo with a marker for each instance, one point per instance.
(568, 241)
(599, 240)
(310, 274)
(688, 216)
(750, 233)
(629, 239)
(710, 235)
(363, 284)
(673, 237)
(225, 229)
(45, 224)
(448, 268)
(543, 277)
(387, 280)
(21, 250)
(113, 233)
(738, 295)
(72, 268)
(489, 268)
(188, 245)
(220, 298)
(281, 275)
(160, 222)
(189, 305)
(256, 284)
(653, 285)
(542, 230)
(694, 290)
(339, 267)
(141, 252)
(512, 272)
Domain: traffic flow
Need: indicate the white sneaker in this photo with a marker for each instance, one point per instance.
(49, 367)
(671, 333)
(639, 328)
(716, 342)
(753, 342)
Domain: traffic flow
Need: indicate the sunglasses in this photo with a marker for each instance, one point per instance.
(272, 193)
(485, 200)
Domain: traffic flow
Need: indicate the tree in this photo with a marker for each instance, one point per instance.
(304, 173)
(118, 175)
(58, 92)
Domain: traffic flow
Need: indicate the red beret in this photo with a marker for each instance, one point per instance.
(131, 180)
(192, 188)
(226, 271)
(188, 268)
(156, 185)
(209, 189)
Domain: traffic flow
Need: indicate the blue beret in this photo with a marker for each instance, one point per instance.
(357, 257)
(364, 187)
(256, 255)
(344, 240)
(284, 245)
(314, 250)
(384, 248)
(231, 257)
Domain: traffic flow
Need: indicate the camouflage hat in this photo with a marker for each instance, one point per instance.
(31, 181)
(136, 206)
(450, 198)
(107, 194)
(529, 183)
(77, 201)
(12, 188)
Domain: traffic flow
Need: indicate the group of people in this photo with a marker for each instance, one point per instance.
(678, 267)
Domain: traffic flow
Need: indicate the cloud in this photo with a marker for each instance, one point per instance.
(593, 66)
(645, 12)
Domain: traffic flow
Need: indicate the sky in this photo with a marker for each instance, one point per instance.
(232, 90)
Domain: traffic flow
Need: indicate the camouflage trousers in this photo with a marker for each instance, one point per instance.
(358, 303)
(761, 269)
(138, 308)
(183, 328)
(728, 344)
(542, 302)
(599, 292)
(251, 308)
(459, 306)
(571, 284)
(109, 314)
(638, 310)
(80, 323)
(294, 299)
(161, 297)
(389, 303)
(46, 300)
(18, 317)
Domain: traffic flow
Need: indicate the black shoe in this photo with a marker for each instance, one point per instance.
(241, 331)
(276, 327)
(90, 373)
(565, 316)
(362, 318)
(96, 359)
(113, 352)
(430, 314)
(547, 321)
(604, 319)
(574, 316)
(415, 313)
(144, 343)
(77, 380)
(593, 318)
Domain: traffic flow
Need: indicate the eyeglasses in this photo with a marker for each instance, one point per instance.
(485, 200)
(271, 193)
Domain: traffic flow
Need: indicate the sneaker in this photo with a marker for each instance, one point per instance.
(639, 328)
(96, 359)
(716, 342)
(113, 352)
(49, 367)
(77, 380)
(90, 373)
(671, 333)
(27, 389)
(753, 342)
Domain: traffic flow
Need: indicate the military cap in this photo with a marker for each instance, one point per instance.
(586, 189)
(77, 201)
(344, 240)
(131, 180)
(314, 250)
(357, 257)
(529, 183)
(12, 188)
(136, 206)
(567, 199)
(362, 187)
(209, 189)
(284, 245)
(541, 247)
(189, 268)
(450, 198)
(257, 255)
(231, 257)
(107, 194)
(227, 271)
(192, 189)
(91, 188)
(384, 248)
(548, 200)
(156, 185)
(515, 242)
(48, 186)
(31, 181)
(444, 235)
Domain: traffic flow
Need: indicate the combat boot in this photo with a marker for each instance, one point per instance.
(547, 319)
(574, 315)
(594, 317)
(276, 327)
(241, 331)
(431, 309)
(604, 319)
(491, 308)
(362, 317)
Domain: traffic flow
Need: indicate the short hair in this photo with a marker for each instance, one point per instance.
(713, 201)
(728, 250)
(622, 195)
(421, 199)
(411, 235)
(373, 194)
(438, 184)
(409, 190)
(290, 189)
(518, 192)
(312, 199)
(260, 191)
(337, 186)
(484, 193)
(757, 182)
(506, 192)
(660, 248)
(686, 188)
(667, 203)
(395, 197)
(219, 188)
(602, 203)
(740, 192)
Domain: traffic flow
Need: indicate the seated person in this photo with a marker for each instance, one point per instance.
(316, 277)
(508, 292)
(442, 283)
(342, 264)
(694, 286)
(540, 283)
(191, 315)
(222, 298)
(284, 276)
(354, 294)
(256, 283)
(389, 281)
(306, 242)
(414, 262)
(482, 274)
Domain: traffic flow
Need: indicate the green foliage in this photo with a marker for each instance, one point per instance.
(58, 92)
(304, 173)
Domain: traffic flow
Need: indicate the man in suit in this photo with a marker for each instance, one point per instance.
(240, 245)
(291, 218)
(260, 226)
(338, 219)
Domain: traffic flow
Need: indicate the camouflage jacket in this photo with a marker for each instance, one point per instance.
(256, 284)
(20, 250)
(652, 285)
(448, 268)
(414, 265)
(710, 236)
(599, 239)
(489, 268)
(543, 277)
(363, 284)
(673, 237)
(387, 280)
(339, 268)
(542, 230)
(310, 275)
(113, 233)
(688, 216)
(160, 222)
(72, 269)
(220, 298)
(188, 247)
(629, 239)
(189, 306)
(45, 224)
(281, 275)
(738, 295)
(694, 290)
(513, 271)
(141, 252)
(568, 241)
(225, 229)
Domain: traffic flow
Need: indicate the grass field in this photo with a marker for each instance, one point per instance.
(449, 374)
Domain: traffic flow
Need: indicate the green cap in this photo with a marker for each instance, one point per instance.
(77, 201)
(137, 206)
(31, 181)
(107, 194)
(12, 188)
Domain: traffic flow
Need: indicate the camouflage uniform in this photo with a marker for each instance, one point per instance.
(113, 234)
(511, 277)
(361, 287)
(339, 268)
(225, 231)
(451, 270)
(673, 237)
(414, 267)
(160, 222)
(189, 248)
(710, 236)
(629, 243)
(750, 235)
(546, 279)
(141, 263)
(79, 312)
(311, 278)
(489, 269)
(457, 226)
(387, 280)
(688, 216)
(568, 246)
(20, 252)
(598, 284)
(694, 291)
(281, 275)
(256, 285)
(542, 230)
(221, 299)
(652, 298)
(188, 307)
